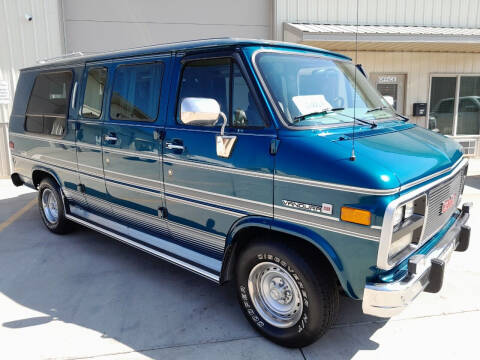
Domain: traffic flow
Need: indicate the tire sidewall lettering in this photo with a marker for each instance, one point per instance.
(249, 307)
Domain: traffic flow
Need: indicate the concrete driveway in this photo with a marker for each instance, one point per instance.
(87, 296)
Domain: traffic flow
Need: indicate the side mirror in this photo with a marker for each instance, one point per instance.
(205, 112)
(199, 111)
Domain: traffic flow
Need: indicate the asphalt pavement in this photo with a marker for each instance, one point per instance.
(86, 296)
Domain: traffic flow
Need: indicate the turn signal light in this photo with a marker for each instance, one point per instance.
(11, 144)
(357, 216)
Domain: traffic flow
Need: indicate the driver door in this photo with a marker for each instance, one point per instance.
(206, 193)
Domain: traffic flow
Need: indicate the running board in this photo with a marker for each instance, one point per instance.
(169, 258)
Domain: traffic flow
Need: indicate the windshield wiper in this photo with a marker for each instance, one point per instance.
(404, 118)
(376, 109)
(324, 112)
(371, 123)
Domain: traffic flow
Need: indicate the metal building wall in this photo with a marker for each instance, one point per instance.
(23, 43)
(443, 13)
(418, 66)
(95, 26)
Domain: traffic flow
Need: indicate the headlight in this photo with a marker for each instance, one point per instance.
(398, 216)
(409, 207)
(403, 213)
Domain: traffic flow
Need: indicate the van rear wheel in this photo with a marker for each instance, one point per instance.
(51, 207)
(284, 295)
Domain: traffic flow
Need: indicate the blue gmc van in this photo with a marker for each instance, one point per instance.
(274, 165)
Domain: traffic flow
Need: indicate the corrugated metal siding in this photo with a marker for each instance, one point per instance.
(94, 26)
(441, 13)
(24, 42)
(418, 66)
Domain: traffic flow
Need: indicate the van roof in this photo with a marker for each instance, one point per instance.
(179, 46)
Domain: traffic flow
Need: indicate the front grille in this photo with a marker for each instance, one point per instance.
(436, 197)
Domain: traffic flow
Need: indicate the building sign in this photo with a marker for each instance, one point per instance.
(4, 92)
(387, 79)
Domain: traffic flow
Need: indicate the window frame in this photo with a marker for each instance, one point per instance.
(456, 102)
(105, 91)
(234, 59)
(160, 82)
(63, 116)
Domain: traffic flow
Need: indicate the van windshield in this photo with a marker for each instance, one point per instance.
(314, 91)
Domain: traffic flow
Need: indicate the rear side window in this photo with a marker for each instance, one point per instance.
(94, 90)
(48, 104)
(136, 92)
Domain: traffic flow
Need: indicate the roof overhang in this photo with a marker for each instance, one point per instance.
(384, 38)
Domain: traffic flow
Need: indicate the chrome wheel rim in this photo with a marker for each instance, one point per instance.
(50, 206)
(275, 295)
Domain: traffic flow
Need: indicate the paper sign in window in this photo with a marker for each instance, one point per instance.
(307, 104)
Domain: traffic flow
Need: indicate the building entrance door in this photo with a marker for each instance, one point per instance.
(392, 85)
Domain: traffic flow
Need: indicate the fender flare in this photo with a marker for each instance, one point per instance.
(288, 228)
(47, 170)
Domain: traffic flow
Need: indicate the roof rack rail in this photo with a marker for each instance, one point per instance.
(61, 57)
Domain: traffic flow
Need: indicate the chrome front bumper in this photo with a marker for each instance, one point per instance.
(425, 273)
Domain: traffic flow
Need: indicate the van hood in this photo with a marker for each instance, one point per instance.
(386, 157)
(409, 154)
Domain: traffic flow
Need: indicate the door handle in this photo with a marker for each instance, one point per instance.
(173, 146)
(110, 137)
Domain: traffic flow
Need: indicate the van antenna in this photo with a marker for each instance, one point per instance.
(352, 156)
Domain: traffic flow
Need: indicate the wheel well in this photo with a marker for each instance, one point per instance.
(246, 236)
(39, 175)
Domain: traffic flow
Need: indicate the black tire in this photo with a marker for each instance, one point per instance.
(319, 292)
(61, 225)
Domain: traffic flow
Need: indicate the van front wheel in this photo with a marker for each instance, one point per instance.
(51, 207)
(284, 295)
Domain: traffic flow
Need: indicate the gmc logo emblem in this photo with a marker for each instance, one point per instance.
(447, 204)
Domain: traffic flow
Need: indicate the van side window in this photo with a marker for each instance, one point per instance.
(48, 104)
(136, 92)
(206, 79)
(244, 107)
(94, 90)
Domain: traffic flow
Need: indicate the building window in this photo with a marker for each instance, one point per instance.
(136, 92)
(48, 104)
(94, 90)
(469, 106)
(455, 104)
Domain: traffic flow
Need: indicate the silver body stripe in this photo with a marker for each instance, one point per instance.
(281, 208)
(131, 153)
(42, 138)
(187, 234)
(426, 178)
(332, 186)
(204, 206)
(218, 168)
(328, 228)
(149, 191)
(159, 254)
(134, 180)
(241, 204)
(288, 179)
